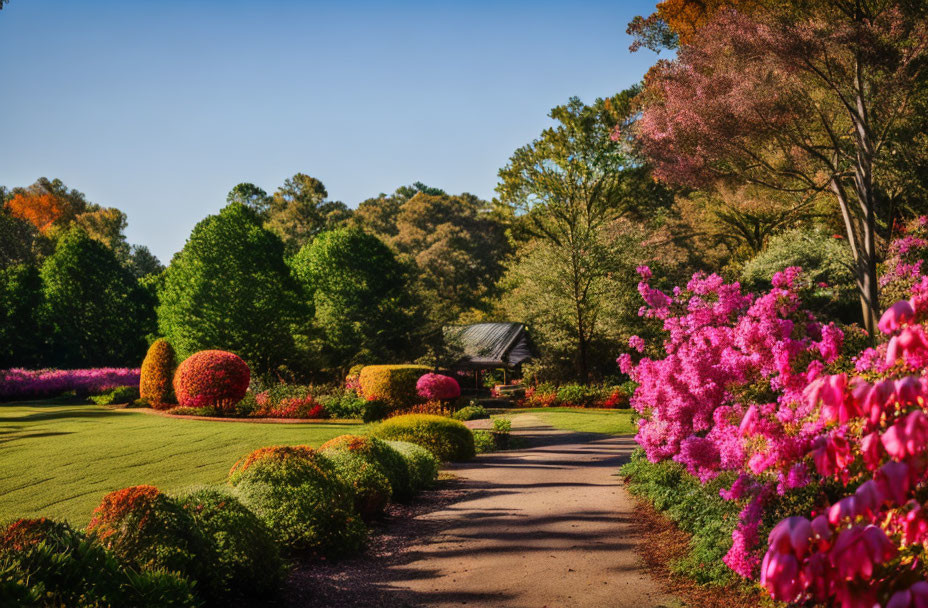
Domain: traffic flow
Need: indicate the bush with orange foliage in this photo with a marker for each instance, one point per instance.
(157, 374)
(150, 531)
(212, 378)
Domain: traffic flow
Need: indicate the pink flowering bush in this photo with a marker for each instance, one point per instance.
(437, 387)
(34, 384)
(827, 462)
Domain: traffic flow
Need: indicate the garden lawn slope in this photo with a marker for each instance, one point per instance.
(610, 422)
(59, 460)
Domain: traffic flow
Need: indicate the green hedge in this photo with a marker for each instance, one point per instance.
(447, 439)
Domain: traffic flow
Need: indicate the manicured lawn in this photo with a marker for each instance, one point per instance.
(59, 460)
(611, 422)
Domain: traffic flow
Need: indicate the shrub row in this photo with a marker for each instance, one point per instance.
(145, 548)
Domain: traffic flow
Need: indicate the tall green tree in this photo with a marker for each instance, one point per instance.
(251, 196)
(23, 334)
(229, 288)
(359, 291)
(97, 312)
(566, 187)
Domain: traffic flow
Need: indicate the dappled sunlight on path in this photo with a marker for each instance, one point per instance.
(549, 525)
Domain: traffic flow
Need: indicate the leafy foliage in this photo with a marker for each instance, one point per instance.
(360, 295)
(471, 412)
(246, 559)
(213, 378)
(23, 332)
(395, 384)
(297, 492)
(151, 531)
(421, 465)
(157, 375)
(447, 439)
(356, 462)
(230, 288)
(98, 313)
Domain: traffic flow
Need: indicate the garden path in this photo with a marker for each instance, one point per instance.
(548, 526)
(544, 526)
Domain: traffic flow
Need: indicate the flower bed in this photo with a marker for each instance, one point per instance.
(35, 384)
(821, 455)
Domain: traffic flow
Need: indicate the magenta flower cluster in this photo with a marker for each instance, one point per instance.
(756, 386)
(728, 394)
(33, 384)
(438, 387)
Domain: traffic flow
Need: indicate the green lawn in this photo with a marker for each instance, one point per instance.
(59, 460)
(610, 422)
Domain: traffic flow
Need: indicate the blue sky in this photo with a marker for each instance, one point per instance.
(159, 107)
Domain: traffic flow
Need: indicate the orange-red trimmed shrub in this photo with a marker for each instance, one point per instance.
(48, 563)
(157, 374)
(395, 384)
(150, 531)
(212, 378)
(297, 492)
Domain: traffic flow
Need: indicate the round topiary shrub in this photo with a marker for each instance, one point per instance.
(150, 531)
(437, 387)
(447, 439)
(157, 374)
(356, 462)
(421, 465)
(48, 563)
(296, 491)
(246, 558)
(212, 378)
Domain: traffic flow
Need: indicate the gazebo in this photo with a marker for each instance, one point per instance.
(485, 346)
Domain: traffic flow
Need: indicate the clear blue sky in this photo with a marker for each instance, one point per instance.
(159, 107)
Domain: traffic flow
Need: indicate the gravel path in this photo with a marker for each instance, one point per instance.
(548, 526)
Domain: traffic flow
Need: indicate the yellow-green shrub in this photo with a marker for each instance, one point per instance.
(447, 439)
(157, 374)
(395, 384)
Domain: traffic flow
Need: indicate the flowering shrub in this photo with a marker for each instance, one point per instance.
(296, 491)
(752, 390)
(33, 384)
(353, 379)
(437, 387)
(246, 558)
(48, 563)
(288, 407)
(150, 531)
(156, 375)
(395, 384)
(211, 378)
(435, 408)
(728, 394)
(575, 395)
(904, 263)
(447, 439)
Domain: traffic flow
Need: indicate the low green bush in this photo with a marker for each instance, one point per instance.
(150, 531)
(356, 462)
(344, 404)
(375, 410)
(122, 394)
(246, 559)
(296, 491)
(484, 442)
(471, 412)
(44, 563)
(696, 509)
(447, 439)
(421, 465)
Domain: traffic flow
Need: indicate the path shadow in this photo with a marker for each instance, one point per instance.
(399, 551)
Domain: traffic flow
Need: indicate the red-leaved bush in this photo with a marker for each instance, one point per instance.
(211, 378)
